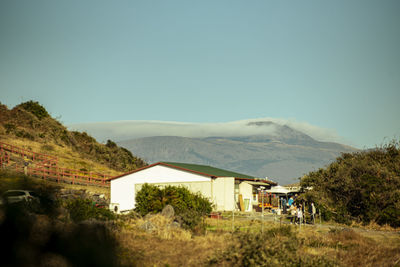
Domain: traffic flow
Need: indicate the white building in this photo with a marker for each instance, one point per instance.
(224, 188)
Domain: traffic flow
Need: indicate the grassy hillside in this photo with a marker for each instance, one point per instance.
(30, 126)
(362, 187)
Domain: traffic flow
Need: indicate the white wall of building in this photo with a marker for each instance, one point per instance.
(223, 189)
(246, 190)
(219, 190)
(123, 188)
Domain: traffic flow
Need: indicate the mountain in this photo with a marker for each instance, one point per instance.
(282, 155)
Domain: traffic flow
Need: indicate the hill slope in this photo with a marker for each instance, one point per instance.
(29, 125)
(283, 156)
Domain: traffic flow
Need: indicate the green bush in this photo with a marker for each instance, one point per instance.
(9, 127)
(111, 144)
(84, 209)
(189, 207)
(362, 187)
(35, 108)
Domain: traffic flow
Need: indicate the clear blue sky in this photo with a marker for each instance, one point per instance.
(333, 64)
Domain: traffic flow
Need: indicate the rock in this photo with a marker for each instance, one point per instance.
(148, 216)
(62, 214)
(168, 212)
(175, 225)
(148, 226)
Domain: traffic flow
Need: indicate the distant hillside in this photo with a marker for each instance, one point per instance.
(29, 124)
(283, 156)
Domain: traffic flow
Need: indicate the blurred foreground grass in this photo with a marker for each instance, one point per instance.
(50, 237)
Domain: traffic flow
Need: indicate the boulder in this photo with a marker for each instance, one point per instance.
(148, 226)
(168, 212)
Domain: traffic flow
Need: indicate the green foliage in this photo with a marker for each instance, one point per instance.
(24, 134)
(276, 247)
(35, 108)
(189, 207)
(9, 128)
(110, 154)
(363, 186)
(84, 209)
(111, 144)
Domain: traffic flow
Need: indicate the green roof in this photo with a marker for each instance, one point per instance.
(211, 171)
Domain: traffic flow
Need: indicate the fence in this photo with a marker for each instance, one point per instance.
(46, 167)
(25, 153)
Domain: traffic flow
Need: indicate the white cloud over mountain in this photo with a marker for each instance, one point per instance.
(123, 130)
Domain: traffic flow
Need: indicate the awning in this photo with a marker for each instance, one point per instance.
(258, 183)
(278, 190)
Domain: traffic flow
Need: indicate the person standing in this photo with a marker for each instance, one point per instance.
(300, 214)
(290, 202)
(313, 212)
(293, 214)
(284, 207)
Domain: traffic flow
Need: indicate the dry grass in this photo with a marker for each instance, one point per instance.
(328, 246)
(167, 246)
(164, 228)
(67, 158)
(353, 248)
(375, 226)
(10, 180)
(240, 223)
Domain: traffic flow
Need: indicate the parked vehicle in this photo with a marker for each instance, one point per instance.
(15, 196)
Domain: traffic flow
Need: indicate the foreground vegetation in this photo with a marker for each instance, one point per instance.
(75, 233)
(359, 187)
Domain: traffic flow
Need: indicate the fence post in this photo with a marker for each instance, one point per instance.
(233, 220)
(319, 214)
(58, 174)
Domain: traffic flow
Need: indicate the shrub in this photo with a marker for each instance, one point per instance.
(35, 108)
(84, 209)
(189, 207)
(9, 127)
(362, 187)
(111, 144)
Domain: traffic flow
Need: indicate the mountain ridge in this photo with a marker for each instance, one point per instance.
(283, 155)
